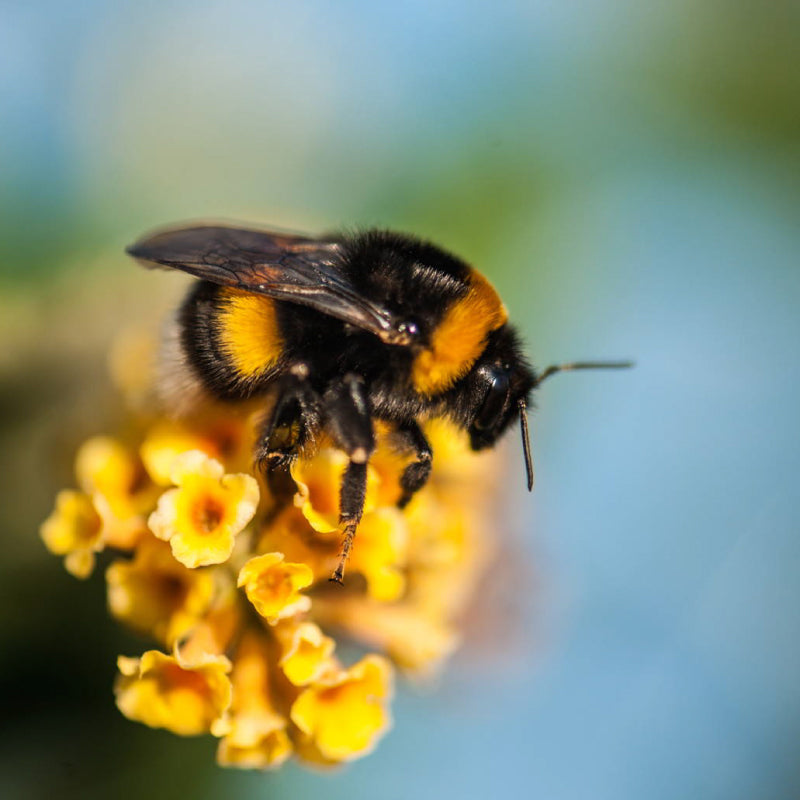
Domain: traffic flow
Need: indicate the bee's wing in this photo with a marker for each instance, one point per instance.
(291, 268)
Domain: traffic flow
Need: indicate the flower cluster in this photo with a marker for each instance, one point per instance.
(229, 580)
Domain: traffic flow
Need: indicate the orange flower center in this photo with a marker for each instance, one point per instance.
(173, 590)
(226, 440)
(275, 582)
(139, 479)
(172, 677)
(208, 514)
(332, 695)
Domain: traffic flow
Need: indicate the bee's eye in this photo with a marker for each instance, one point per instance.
(495, 400)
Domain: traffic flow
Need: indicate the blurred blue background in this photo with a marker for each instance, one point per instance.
(626, 174)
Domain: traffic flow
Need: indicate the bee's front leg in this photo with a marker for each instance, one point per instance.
(416, 474)
(349, 420)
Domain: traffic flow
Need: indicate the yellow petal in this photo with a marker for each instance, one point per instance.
(74, 530)
(119, 487)
(269, 749)
(273, 586)
(319, 482)
(195, 464)
(213, 634)
(379, 553)
(257, 736)
(156, 595)
(454, 461)
(79, 563)
(305, 652)
(164, 444)
(346, 713)
(290, 533)
(185, 697)
(73, 525)
(226, 440)
(105, 466)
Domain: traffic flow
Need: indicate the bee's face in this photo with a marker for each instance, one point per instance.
(499, 382)
(504, 387)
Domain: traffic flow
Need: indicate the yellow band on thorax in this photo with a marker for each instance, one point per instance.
(459, 338)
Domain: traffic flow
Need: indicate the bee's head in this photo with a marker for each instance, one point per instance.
(499, 384)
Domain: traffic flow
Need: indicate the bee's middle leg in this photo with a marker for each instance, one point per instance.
(349, 421)
(292, 418)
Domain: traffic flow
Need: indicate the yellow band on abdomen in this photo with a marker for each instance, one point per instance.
(248, 331)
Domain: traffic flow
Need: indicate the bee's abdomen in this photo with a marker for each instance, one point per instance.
(232, 339)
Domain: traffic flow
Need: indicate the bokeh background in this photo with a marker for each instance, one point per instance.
(626, 173)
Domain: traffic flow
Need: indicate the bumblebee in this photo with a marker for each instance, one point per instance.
(338, 331)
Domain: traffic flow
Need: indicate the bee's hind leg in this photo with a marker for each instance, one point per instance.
(410, 437)
(349, 421)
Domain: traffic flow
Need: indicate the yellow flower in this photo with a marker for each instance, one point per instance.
(192, 578)
(119, 487)
(380, 551)
(290, 533)
(74, 530)
(273, 586)
(187, 697)
(164, 443)
(155, 594)
(454, 461)
(220, 625)
(305, 652)
(167, 440)
(389, 464)
(257, 736)
(345, 713)
(201, 518)
(319, 480)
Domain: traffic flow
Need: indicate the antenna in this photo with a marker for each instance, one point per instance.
(526, 441)
(554, 368)
(544, 375)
